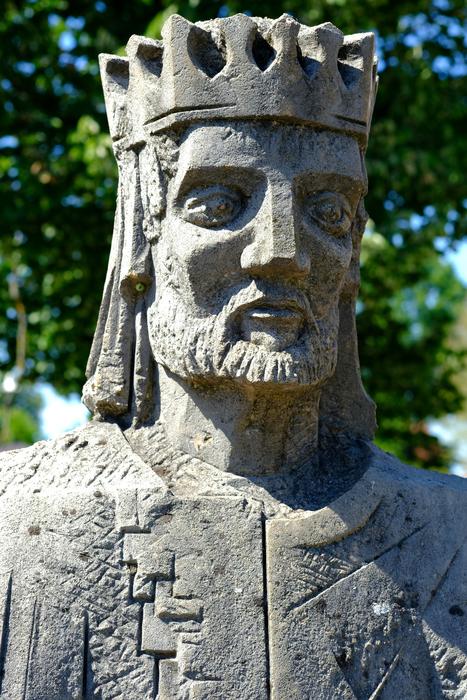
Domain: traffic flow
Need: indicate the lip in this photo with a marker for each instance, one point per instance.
(275, 311)
(275, 314)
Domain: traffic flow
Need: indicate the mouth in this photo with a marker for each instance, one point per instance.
(274, 307)
(273, 324)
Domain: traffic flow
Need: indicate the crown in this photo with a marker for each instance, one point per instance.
(241, 68)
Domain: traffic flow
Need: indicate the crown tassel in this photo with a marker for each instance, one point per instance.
(110, 386)
(107, 390)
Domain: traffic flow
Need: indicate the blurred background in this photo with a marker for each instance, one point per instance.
(57, 196)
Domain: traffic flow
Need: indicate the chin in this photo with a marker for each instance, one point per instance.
(295, 366)
(246, 363)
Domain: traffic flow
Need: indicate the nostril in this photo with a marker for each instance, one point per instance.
(257, 259)
(296, 265)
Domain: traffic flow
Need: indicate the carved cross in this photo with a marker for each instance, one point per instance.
(165, 615)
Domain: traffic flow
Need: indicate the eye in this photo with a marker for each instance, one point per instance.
(213, 207)
(331, 211)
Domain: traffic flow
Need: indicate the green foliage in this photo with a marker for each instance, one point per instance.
(19, 417)
(57, 190)
(409, 366)
(17, 427)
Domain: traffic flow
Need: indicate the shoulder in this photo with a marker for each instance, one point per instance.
(394, 470)
(439, 495)
(96, 455)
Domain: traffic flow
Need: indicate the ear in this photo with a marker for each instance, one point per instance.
(345, 407)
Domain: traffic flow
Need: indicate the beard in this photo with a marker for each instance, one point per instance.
(197, 348)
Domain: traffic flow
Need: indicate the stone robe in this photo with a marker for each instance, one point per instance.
(116, 585)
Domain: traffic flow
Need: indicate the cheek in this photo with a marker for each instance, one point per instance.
(201, 263)
(330, 259)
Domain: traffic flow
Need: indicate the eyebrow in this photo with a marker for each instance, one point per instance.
(227, 173)
(327, 180)
(250, 175)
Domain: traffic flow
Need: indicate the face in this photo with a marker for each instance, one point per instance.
(253, 252)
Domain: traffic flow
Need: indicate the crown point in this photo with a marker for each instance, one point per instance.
(286, 18)
(328, 27)
(285, 24)
(115, 79)
(115, 67)
(145, 52)
(132, 44)
(175, 25)
(284, 33)
(239, 33)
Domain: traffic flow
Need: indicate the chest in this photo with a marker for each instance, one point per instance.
(140, 596)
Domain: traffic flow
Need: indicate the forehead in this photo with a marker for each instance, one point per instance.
(290, 150)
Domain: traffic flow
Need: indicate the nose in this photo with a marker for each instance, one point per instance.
(276, 247)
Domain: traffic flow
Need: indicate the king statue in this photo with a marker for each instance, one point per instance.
(224, 528)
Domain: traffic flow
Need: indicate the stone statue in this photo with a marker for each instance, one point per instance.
(224, 529)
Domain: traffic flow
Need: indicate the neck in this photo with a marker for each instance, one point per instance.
(241, 428)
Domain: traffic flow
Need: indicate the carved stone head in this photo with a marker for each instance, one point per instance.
(240, 144)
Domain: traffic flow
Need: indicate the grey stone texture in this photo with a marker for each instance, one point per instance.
(224, 528)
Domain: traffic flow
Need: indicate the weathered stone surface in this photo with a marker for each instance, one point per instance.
(354, 590)
(224, 529)
(114, 586)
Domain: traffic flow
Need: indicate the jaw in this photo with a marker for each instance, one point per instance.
(204, 356)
